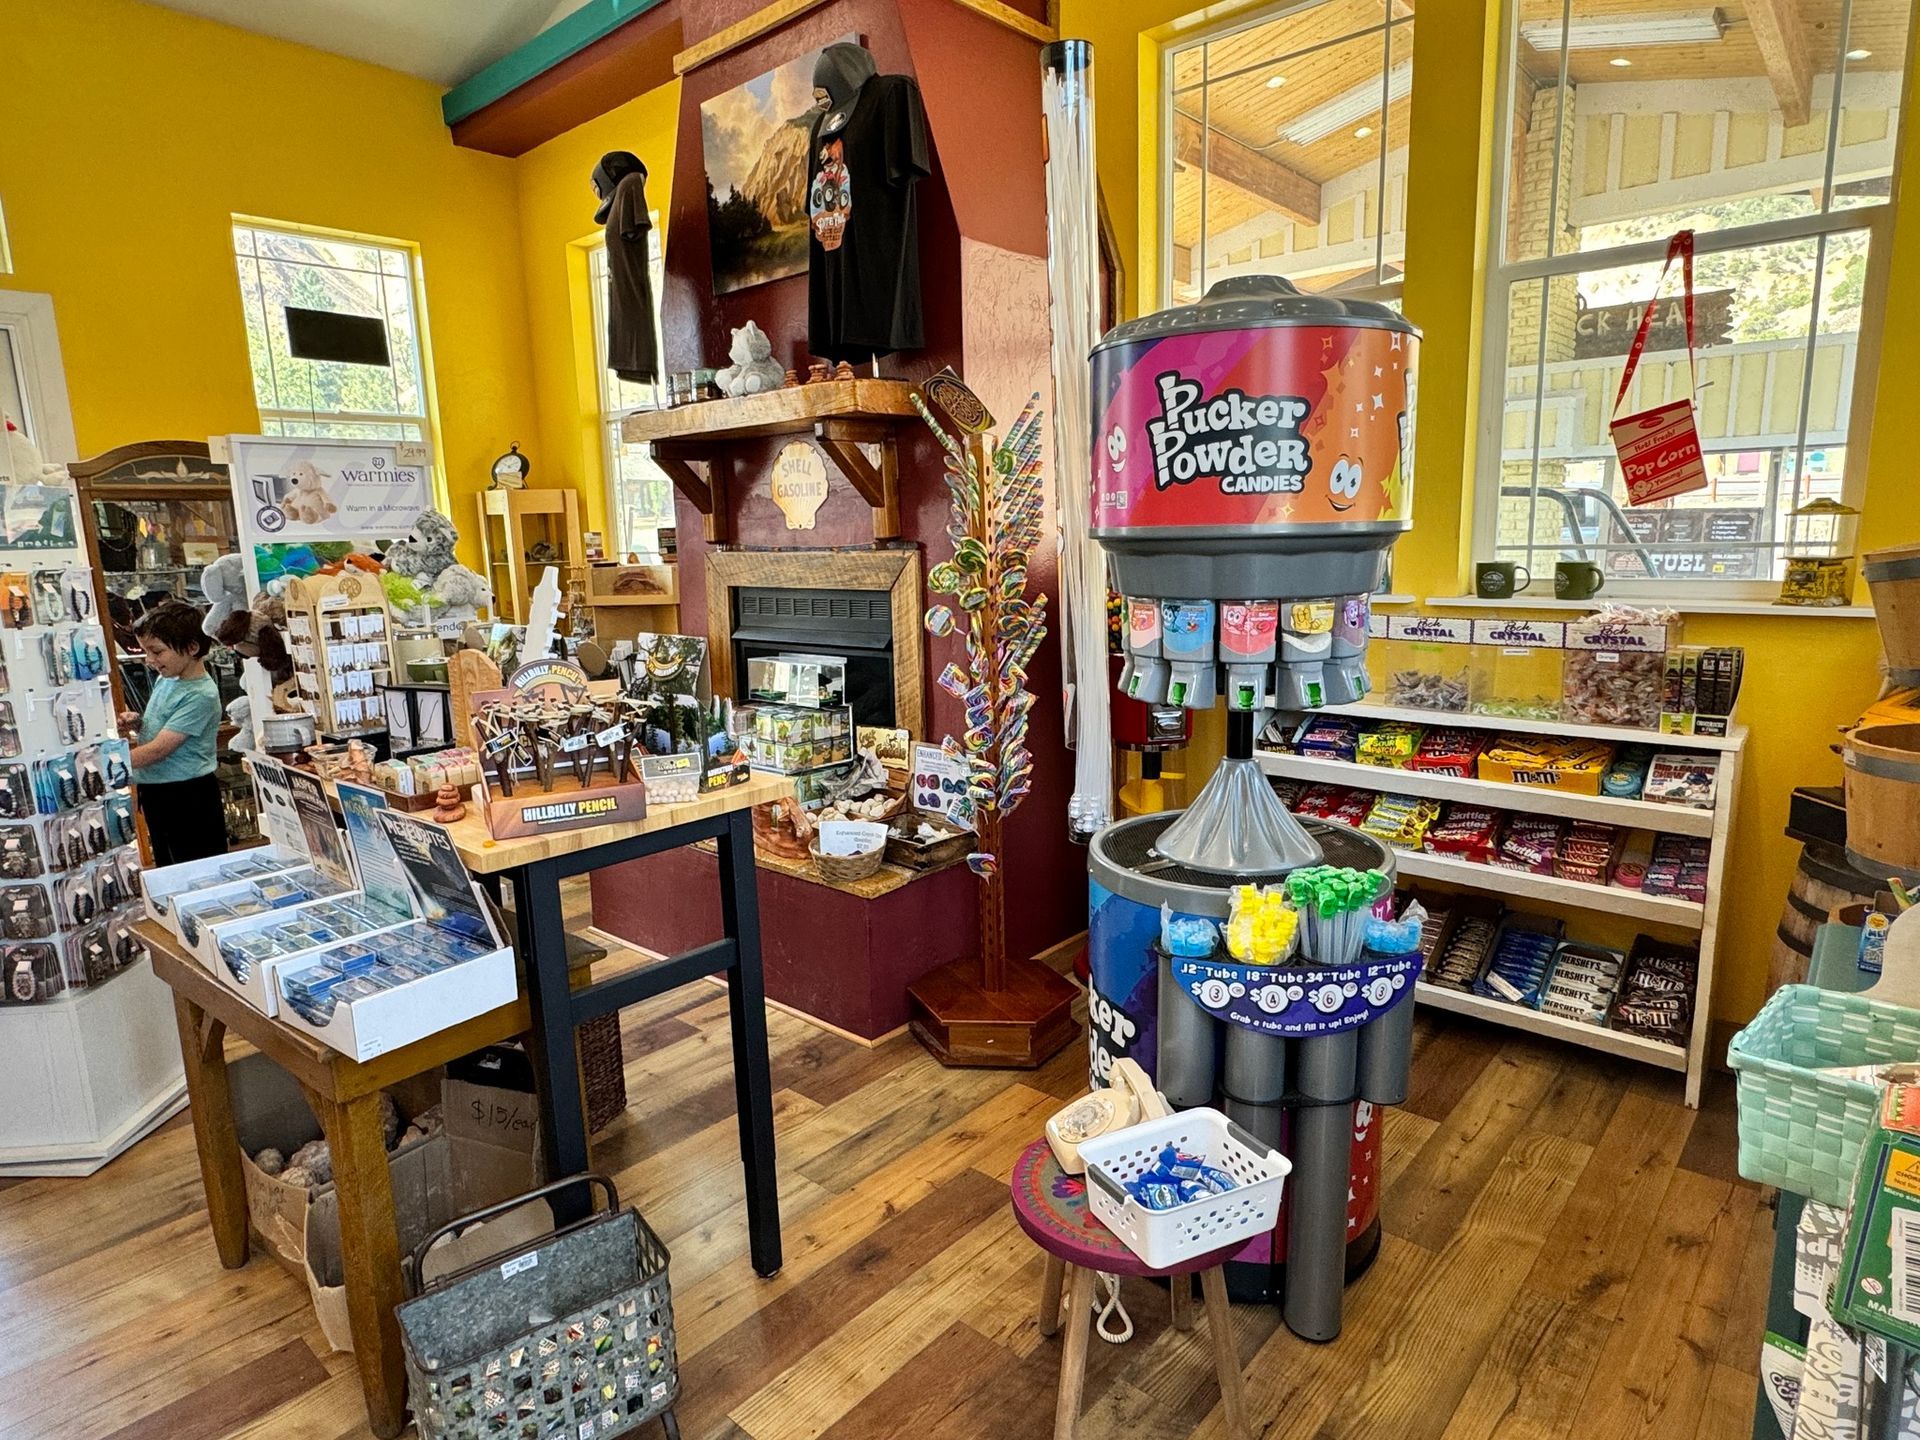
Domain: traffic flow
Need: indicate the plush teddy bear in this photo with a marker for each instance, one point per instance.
(224, 583)
(307, 501)
(754, 369)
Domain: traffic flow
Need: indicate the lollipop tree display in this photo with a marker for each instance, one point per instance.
(992, 1009)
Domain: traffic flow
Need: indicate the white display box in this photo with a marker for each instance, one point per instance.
(375, 1024)
(163, 886)
(261, 988)
(196, 900)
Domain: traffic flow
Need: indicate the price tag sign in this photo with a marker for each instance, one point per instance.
(1659, 448)
(940, 784)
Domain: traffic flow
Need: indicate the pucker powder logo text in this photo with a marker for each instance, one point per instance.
(1250, 443)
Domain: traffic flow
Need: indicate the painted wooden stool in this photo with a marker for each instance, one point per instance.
(1051, 1207)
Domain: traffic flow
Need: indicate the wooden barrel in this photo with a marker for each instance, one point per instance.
(1894, 577)
(1822, 882)
(1883, 797)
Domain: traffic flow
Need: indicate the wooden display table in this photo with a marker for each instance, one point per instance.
(345, 1096)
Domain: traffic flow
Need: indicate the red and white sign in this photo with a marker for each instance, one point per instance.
(1660, 448)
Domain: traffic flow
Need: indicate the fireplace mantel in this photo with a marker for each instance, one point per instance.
(895, 570)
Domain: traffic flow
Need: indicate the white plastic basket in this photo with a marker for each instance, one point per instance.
(1165, 1238)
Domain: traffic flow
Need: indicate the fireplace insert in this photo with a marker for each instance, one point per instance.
(854, 624)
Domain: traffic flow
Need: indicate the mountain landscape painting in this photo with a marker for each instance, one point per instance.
(754, 142)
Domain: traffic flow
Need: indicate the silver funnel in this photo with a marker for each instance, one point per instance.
(1236, 825)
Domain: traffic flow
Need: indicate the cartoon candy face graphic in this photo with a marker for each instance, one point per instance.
(1344, 481)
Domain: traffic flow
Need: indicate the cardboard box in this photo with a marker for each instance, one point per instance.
(431, 1187)
(492, 1113)
(270, 1110)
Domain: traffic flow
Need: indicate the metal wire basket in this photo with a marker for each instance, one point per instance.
(573, 1337)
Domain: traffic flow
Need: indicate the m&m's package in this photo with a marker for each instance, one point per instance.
(1448, 750)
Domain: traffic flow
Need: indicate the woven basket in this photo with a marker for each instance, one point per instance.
(603, 1070)
(1801, 1129)
(840, 869)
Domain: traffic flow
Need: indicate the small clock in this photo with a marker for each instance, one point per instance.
(510, 471)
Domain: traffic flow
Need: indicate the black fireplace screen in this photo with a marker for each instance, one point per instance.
(854, 624)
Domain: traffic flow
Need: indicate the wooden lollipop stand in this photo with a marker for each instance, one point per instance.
(994, 1009)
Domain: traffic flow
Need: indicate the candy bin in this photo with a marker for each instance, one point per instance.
(1615, 667)
(1429, 663)
(1517, 669)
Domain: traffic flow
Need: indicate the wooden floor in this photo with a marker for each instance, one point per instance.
(1567, 1251)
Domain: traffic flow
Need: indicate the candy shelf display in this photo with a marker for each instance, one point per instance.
(85, 1026)
(1648, 845)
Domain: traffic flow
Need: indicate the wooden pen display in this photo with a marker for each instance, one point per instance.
(557, 752)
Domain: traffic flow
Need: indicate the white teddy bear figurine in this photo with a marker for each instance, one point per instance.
(754, 369)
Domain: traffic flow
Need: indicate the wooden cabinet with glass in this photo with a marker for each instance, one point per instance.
(521, 533)
(156, 514)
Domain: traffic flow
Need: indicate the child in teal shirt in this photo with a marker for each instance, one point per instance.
(175, 739)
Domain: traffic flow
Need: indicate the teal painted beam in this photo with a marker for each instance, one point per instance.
(558, 42)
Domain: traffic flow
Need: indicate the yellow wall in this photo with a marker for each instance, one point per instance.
(1805, 677)
(130, 134)
(556, 225)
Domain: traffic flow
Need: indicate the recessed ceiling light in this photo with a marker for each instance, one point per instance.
(1859, 54)
(1362, 132)
(1619, 62)
(1274, 82)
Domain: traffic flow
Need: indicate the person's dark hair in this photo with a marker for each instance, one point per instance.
(176, 625)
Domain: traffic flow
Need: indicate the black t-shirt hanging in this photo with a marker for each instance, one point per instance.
(863, 250)
(632, 352)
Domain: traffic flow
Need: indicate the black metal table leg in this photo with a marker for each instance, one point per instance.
(542, 936)
(747, 1010)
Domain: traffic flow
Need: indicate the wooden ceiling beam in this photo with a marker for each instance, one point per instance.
(1782, 42)
(1247, 169)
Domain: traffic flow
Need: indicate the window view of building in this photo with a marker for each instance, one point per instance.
(1624, 129)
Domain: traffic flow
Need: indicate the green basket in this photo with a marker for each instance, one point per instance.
(1800, 1128)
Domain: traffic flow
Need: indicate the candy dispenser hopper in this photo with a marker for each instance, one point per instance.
(1252, 466)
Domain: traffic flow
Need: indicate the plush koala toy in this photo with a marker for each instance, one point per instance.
(225, 584)
(754, 369)
(307, 502)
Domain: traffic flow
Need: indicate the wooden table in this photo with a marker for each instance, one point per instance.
(345, 1096)
(536, 866)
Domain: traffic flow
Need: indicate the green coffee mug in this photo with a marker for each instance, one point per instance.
(1577, 580)
(1495, 579)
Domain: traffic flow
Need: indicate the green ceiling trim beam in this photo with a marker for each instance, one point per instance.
(557, 43)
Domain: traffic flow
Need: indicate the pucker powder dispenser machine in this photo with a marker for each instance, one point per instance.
(1252, 467)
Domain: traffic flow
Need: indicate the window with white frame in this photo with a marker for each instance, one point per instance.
(351, 275)
(1285, 150)
(1769, 129)
(640, 497)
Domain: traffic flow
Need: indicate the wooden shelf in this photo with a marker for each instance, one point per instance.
(1538, 1022)
(1606, 809)
(776, 412)
(842, 416)
(1610, 899)
(1618, 734)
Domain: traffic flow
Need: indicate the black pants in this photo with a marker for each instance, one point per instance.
(185, 819)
